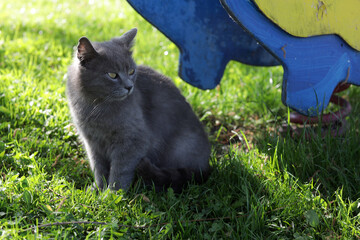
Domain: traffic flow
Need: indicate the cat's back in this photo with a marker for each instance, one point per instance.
(172, 120)
(151, 80)
(165, 108)
(160, 93)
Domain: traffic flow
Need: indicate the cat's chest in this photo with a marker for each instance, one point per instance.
(118, 128)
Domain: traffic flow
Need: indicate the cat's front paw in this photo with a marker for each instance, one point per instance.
(93, 188)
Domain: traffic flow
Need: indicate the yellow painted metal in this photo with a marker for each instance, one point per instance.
(304, 18)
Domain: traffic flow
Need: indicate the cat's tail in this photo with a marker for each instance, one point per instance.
(163, 178)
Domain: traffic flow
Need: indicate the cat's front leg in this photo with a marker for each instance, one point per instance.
(101, 174)
(122, 171)
(100, 167)
(99, 163)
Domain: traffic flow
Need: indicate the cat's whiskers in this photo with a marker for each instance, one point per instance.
(97, 110)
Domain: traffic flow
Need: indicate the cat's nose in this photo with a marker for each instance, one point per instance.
(129, 88)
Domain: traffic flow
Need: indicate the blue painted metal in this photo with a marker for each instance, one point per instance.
(313, 66)
(207, 38)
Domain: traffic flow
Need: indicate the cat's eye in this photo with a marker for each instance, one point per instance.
(112, 75)
(131, 71)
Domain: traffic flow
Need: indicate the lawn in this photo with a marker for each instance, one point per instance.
(263, 185)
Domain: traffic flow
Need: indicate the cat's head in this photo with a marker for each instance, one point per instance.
(106, 70)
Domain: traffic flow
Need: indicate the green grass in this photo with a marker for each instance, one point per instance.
(263, 186)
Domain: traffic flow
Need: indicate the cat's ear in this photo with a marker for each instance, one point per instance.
(127, 38)
(85, 50)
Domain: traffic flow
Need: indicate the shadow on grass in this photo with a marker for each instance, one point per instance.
(232, 203)
(332, 163)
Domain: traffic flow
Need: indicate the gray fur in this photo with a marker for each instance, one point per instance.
(134, 122)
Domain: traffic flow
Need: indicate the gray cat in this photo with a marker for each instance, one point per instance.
(133, 119)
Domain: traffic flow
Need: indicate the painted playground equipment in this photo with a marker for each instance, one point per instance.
(316, 41)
